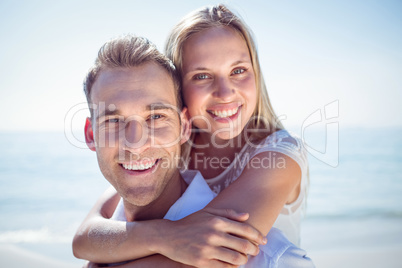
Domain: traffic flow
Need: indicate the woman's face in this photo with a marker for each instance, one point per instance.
(218, 82)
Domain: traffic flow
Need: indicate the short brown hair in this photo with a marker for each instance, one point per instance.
(130, 51)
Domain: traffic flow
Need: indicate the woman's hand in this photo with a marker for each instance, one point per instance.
(210, 238)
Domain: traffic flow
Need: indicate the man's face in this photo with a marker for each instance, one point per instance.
(135, 130)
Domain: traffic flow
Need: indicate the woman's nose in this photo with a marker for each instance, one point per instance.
(223, 89)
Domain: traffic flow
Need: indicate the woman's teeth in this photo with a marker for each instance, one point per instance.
(225, 113)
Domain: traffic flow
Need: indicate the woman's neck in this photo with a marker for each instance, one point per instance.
(211, 155)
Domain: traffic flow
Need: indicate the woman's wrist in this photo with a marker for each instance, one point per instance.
(156, 240)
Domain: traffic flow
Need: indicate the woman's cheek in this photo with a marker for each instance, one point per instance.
(192, 98)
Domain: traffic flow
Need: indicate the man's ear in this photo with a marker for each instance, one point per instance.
(89, 135)
(185, 125)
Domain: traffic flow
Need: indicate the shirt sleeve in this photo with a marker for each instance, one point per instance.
(295, 257)
(286, 143)
(279, 252)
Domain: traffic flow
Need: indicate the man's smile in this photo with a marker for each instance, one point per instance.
(140, 166)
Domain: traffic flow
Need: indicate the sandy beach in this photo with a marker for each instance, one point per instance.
(15, 256)
(367, 258)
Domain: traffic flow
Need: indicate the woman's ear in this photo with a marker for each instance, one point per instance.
(89, 135)
(185, 125)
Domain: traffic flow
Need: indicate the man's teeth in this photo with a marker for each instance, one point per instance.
(225, 113)
(138, 166)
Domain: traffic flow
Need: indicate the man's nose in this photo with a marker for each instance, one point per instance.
(223, 89)
(136, 138)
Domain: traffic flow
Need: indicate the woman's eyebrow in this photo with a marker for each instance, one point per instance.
(200, 69)
(233, 64)
(240, 62)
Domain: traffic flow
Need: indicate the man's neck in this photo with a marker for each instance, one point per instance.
(158, 208)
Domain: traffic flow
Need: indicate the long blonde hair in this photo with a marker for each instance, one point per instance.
(263, 118)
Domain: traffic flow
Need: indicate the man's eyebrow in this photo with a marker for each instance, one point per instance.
(108, 112)
(161, 106)
(150, 107)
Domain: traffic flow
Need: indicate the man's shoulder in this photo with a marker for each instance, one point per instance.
(196, 197)
(196, 183)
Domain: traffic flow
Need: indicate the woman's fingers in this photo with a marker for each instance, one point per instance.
(245, 231)
(230, 256)
(226, 222)
(240, 245)
(220, 257)
(208, 236)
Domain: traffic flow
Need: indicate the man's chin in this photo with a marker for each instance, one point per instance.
(140, 196)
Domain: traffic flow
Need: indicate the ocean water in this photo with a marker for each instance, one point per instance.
(48, 185)
(358, 203)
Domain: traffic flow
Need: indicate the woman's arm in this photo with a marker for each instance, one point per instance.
(163, 262)
(262, 191)
(210, 234)
(147, 262)
(102, 240)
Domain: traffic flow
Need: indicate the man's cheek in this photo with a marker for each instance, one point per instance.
(107, 138)
(166, 137)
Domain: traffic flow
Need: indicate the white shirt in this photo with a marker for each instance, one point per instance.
(284, 142)
(278, 252)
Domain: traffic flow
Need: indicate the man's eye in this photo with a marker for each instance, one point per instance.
(112, 120)
(155, 116)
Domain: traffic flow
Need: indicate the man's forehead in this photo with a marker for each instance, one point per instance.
(138, 86)
(142, 96)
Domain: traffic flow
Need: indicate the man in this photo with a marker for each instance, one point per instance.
(136, 128)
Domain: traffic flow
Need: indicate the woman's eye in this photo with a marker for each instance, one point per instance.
(239, 71)
(201, 76)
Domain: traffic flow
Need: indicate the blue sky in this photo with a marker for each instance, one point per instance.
(313, 53)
